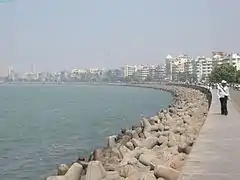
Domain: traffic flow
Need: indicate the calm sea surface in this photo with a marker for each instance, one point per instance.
(45, 125)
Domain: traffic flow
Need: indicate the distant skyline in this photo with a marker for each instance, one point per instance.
(63, 34)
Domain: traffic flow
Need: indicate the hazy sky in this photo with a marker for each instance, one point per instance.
(62, 34)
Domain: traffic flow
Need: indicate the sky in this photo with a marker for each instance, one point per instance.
(63, 34)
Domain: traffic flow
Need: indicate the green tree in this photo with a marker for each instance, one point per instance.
(111, 76)
(127, 79)
(192, 77)
(226, 72)
(204, 78)
(238, 76)
(135, 77)
(182, 76)
(149, 78)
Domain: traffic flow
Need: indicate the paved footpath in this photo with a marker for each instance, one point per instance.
(235, 95)
(216, 153)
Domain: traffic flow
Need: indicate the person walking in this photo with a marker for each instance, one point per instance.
(223, 95)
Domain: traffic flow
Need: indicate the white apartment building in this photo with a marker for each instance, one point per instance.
(174, 66)
(218, 57)
(169, 67)
(180, 62)
(203, 68)
(11, 74)
(129, 70)
(160, 72)
(78, 71)
(143, 72)
(153, 72)
(231, 59)
(94, 70)
(189, 66)
(200, 66)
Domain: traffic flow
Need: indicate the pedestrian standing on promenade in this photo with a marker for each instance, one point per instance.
(223, 95)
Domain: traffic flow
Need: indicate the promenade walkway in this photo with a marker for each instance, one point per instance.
(216, 154)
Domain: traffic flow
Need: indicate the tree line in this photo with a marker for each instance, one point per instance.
(225, 72)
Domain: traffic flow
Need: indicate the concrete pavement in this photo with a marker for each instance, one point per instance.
(216, 153)
(235, 97)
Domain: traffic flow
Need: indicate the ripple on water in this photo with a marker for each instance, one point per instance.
(38, 133)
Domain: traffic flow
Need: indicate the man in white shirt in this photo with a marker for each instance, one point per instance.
(223, 95)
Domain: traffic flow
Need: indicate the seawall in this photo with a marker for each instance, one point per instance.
(155, 148)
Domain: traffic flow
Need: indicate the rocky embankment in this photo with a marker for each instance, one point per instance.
(156, 148)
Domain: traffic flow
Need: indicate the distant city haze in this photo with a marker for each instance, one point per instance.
(61, 34)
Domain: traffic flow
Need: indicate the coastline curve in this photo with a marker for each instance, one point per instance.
(157, 147)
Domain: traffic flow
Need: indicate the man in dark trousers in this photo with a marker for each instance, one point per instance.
(223, 95)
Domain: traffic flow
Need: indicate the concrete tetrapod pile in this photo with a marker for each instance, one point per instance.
(156, 148)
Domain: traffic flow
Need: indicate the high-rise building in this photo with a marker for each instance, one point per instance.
(143, 72)
(169, 60)
(129, 70)
(231, 59)
(11, 74)
(180, 62)
(174, 66)
(203, 68)
(217, 58)
(188, 66)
